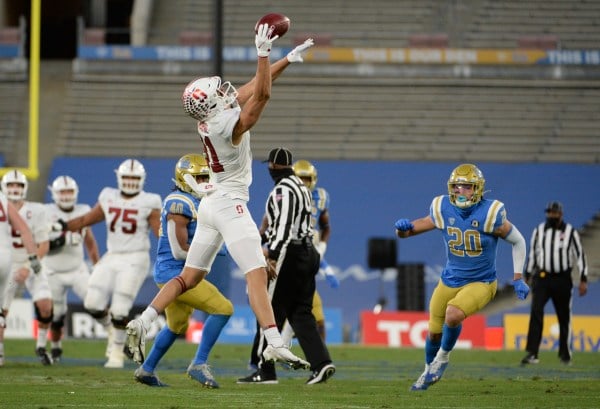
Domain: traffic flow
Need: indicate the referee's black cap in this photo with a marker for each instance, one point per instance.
(280, 156)
(554, 207)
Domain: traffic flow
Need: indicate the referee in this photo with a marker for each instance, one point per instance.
(294, 261)
(554, 247)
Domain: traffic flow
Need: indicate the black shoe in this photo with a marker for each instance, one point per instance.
(259, 378)
(56, 354)
(530, 359)
(45, 358)
(322, 374)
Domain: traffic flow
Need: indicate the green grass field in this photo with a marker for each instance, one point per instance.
(365, 378)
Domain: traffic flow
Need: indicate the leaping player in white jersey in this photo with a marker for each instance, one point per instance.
(130, 214)
(225, 115)
(14, 185)
(11, 220)
(65, 263)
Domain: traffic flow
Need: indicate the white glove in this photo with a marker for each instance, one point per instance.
(322, 248)
(201, 189)
(296, 54)
(263, 40)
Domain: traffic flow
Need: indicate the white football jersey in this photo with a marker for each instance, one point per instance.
(5, 227)
(36, 218)
(127, 225)
(70, 256)
(5, 239)
(231, 166)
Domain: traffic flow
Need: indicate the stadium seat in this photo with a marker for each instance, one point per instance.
(192, 37)
(538, 42)
(431, 40)
(94, 36)
(10, 35)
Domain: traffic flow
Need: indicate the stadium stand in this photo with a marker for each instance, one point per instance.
(344, 23)
(500, 24)
(368, 119)
(13, 111)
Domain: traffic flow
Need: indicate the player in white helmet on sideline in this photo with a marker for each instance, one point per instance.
(65, 263)
(25, 263)
(130, 214)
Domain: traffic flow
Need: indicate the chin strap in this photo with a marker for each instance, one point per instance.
(201, 189)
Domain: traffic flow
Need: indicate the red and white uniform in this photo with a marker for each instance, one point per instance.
(223, 215)
(36, 218)
(66, 266)
(121, 271)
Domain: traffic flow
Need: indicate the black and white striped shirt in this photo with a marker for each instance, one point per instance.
(554, 251)
(288, 212)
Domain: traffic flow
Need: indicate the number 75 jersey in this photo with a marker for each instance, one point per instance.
(470, 242)
(126, 219)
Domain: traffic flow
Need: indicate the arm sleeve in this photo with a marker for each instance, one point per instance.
(176, 250)
(517, 240)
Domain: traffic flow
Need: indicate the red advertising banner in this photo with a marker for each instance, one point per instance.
(409, 329)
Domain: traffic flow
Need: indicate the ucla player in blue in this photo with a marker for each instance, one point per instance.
(178, 224)
(471, 226)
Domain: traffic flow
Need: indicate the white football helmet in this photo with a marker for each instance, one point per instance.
(18, 192)
(64, 191)
(131, 176)
(205, 97)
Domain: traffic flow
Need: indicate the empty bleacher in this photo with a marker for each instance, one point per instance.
(13, 111)
(500, 24)
(327, 118)
(382, 23)
(378, 23)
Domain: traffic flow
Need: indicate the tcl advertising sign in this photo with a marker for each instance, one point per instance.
(409, 329)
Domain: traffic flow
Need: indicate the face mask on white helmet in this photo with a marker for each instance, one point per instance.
(14, 185)
(64, 191)
(131, 176)
(203, 98)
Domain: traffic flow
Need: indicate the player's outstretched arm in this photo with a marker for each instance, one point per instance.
(95, 215)
(294, 56)
(261, 89)
(406, 228)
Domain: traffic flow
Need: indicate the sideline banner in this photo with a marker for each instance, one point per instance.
(350, 55)
(409, 329)
(19, 323)
(585, 330)
(239, 330)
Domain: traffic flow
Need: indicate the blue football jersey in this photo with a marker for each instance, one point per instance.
(178, 202)
(470, 244)
(320, 203)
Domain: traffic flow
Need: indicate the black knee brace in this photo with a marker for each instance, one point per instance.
(46, 320)
(119, 322)
(58, 324)
(97, 314)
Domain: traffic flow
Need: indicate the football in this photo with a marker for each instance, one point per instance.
(279, 22)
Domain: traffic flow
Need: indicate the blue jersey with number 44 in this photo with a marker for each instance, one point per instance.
(470, 245)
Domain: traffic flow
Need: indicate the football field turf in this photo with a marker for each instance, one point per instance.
(366, 377)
